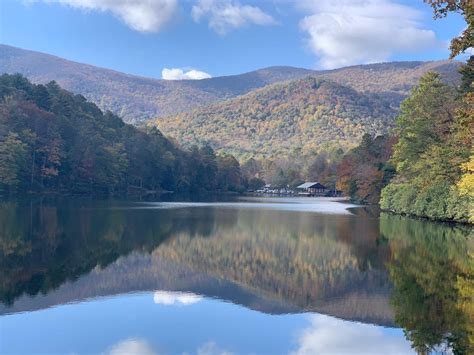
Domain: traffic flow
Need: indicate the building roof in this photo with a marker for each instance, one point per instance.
(308, 185)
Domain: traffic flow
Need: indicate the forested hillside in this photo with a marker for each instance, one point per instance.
(136, 98)
(131, 97)
(54, 141)
(291, 118)
(393, 80)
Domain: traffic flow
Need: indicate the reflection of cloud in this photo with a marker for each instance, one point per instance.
(211, 348)
(131, 347)
(175, 298)
(328, 335)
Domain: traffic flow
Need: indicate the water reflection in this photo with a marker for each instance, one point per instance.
(432, 272)
(388, 271)
(329, 335)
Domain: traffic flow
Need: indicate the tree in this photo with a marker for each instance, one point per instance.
(228, 173)
(12, 159)
(441, 9)
(467, 76)
(424, 123)
(435, 130)
(365, 170)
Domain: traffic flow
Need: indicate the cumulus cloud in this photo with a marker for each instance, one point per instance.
(131, 347)
(347, 32)
(175, 298)
(224, 15)
(329, 335)
(140, 15)
(180, 74)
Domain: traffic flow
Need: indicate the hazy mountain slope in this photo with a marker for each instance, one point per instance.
(137, 98)
(132, 97)
(394, 80)
(285, 118)
(392, 76)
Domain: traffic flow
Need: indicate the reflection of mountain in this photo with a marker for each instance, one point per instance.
(301, 259)
(138, 272)
(271, 261)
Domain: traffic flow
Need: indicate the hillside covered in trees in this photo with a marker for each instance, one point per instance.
(291, 118)
(54, 141)
(137, 98)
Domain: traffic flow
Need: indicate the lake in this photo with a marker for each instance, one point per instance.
(255, 275)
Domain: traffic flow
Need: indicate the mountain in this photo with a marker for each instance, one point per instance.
(289, 118)
(393, 79)
(137, 98)
(132, 97)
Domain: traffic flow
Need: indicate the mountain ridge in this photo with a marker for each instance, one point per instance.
(135, 98)
(138, 98)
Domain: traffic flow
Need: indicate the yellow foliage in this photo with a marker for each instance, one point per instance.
(466, 184)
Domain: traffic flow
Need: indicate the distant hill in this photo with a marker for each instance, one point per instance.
(137, 98)
(289, 118)
(132, 97)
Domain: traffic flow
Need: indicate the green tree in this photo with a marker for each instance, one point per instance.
(434, 138)
(12, 159)
(422, 128)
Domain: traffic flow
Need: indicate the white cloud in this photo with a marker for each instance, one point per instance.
(131, 347)
(140, 15)
(175, 298)
(180, 74)
(211, 348)
(347, 32)
(225, 15)
(329, 335)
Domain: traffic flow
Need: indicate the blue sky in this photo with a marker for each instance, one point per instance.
(201, 38)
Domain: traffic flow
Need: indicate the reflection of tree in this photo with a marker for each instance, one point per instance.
(45, 245)
(432, 272)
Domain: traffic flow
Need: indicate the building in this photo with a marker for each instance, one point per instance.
(312, 189)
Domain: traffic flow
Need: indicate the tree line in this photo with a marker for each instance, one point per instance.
(54, 141)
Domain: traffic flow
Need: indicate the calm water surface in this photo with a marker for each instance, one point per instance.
(273, 276)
